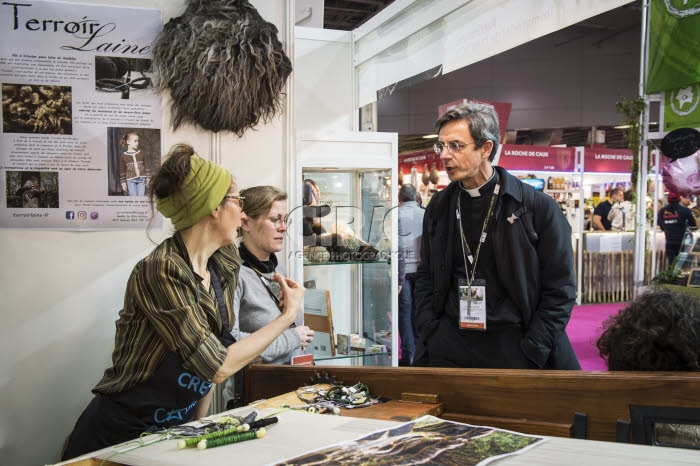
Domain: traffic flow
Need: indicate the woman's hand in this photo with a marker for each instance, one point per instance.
(291, 296)
(306, 335)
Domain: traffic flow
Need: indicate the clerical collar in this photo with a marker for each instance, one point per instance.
(482, 190)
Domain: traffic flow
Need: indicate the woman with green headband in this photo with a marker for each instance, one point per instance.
(173, 338)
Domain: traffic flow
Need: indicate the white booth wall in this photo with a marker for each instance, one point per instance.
(61, 291)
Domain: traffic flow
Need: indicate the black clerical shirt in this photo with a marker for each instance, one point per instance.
(500, 310)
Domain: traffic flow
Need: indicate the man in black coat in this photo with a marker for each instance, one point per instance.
(495, 286)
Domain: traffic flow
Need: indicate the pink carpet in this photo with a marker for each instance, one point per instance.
(584, 329)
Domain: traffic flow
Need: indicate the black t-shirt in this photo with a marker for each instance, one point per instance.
(673, 219)
(603, 209)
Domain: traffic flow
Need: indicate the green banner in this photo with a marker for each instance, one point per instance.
(674, 45)
(682, 108)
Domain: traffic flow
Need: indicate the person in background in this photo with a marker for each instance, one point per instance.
(410, 235)
(134, 166)
(495, 285)
(257, 298)
(628, 209)
(173, 338)
(684, 201)
(691, 203)
(419, 199)
(600, 214)
(311, 224)
(674, 220)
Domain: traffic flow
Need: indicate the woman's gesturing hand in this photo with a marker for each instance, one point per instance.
(306, 335)
(291, 295)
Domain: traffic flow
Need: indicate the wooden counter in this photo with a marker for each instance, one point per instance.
(530, 401)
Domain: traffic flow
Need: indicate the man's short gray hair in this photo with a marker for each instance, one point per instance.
(483, 123)
(407, 192)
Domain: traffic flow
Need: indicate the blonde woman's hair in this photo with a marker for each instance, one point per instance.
(259, 199)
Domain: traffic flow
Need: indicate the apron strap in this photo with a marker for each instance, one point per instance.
(219, 291)
(227, 339)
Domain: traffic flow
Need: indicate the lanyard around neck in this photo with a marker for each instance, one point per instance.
(266, 282)
(474, 258)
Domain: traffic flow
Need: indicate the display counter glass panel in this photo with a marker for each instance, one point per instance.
(347, 251)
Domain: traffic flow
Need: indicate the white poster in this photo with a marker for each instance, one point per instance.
(80, 121)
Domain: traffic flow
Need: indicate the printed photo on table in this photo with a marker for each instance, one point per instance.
(37, 108)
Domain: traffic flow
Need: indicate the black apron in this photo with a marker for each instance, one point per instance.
(168, 398)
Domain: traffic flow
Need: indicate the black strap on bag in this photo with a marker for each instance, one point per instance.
(528, 207)
(227, 339)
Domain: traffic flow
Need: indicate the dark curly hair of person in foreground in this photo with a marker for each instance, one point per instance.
(658, 331)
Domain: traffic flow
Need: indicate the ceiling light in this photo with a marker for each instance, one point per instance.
(430, 136)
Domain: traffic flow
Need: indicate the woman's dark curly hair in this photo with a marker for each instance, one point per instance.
(658, 331)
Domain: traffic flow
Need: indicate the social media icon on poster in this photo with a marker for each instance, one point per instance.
(82, 215)
(70, 215)
(94, 215)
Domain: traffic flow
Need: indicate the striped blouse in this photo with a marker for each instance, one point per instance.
(167, 309)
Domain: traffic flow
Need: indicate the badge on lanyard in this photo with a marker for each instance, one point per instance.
(472, 304)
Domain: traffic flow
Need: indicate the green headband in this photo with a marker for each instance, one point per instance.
(203, 190)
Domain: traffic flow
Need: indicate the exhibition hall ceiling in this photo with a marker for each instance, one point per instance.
(350, 14)
(346, 15)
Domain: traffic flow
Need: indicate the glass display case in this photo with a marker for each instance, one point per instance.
(345, 234)
(688, 263)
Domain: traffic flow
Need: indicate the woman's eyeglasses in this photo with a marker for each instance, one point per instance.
(233, 197)
(279, 221)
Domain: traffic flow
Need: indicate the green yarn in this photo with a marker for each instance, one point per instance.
(190, 442)
(230, 439)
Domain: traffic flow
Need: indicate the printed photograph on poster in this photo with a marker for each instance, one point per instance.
(133, 155)
(36, 108)
(122, 75)
(31, 189)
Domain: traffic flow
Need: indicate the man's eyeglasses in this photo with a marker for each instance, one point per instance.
(452, 146)
(233, 197)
